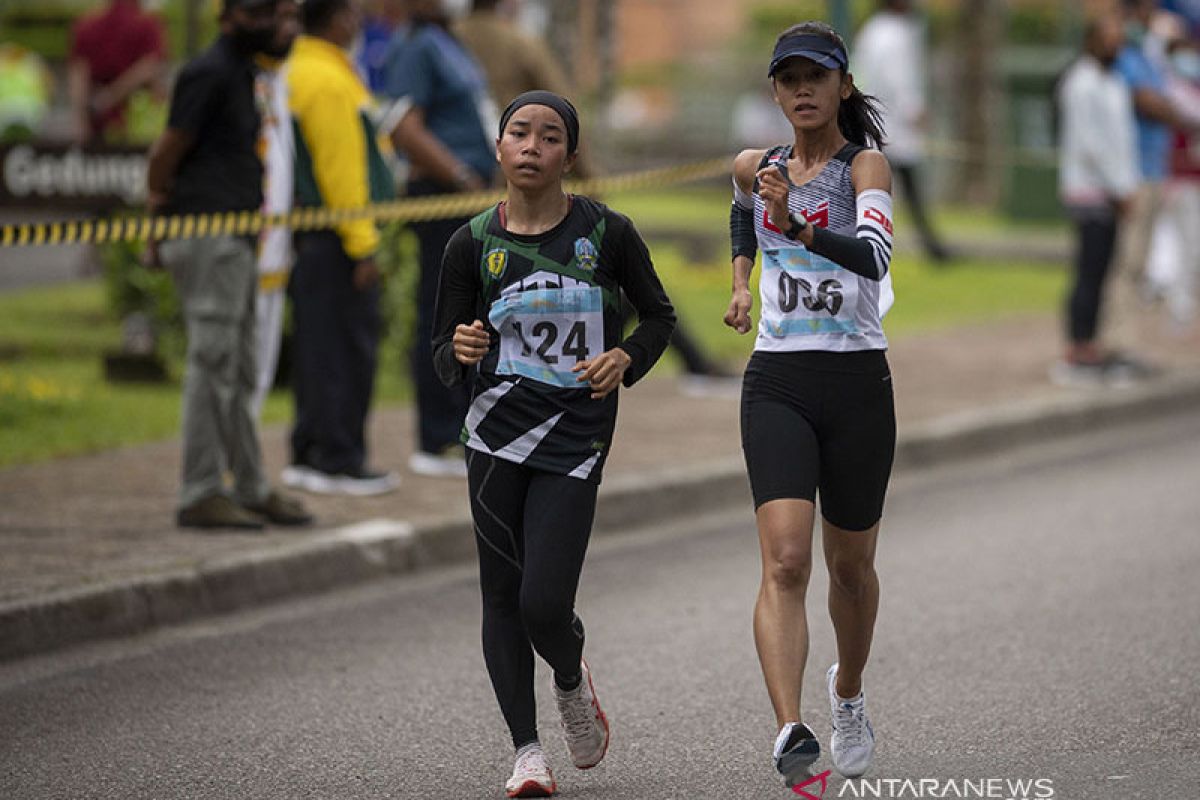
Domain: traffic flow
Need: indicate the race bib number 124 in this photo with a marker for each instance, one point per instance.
(546, 332)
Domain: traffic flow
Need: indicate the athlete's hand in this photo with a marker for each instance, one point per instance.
(603, 372)
(773, 189)
(738, 315)
(471, 343)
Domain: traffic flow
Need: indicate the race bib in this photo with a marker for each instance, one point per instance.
(546, 332)
(805, 294)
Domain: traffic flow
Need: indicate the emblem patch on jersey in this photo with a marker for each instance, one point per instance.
(585, 253)
(496, 261)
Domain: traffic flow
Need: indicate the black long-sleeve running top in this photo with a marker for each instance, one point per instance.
(548, 301)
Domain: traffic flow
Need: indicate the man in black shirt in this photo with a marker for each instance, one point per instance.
(207, 161)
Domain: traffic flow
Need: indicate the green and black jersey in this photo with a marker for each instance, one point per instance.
(549, 301)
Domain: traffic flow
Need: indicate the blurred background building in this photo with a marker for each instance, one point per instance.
(660, 79)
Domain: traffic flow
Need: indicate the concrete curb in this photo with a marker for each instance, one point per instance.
(378, 548)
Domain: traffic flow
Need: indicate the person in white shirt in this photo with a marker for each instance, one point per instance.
(275, 243)
(1098, 176)
(889, 63)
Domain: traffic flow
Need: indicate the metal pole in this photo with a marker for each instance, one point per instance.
(839, 17)
(191, 27)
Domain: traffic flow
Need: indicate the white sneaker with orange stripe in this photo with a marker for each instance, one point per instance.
(584, 724)
(531, 775)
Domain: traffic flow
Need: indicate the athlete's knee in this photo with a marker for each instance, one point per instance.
(851, 574)
(788, 568)
(543, 614)
(212, 344)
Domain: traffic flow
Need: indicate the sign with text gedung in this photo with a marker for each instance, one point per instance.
(67, 176)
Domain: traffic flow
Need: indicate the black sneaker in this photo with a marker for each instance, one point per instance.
(217, 511)
(796, 750)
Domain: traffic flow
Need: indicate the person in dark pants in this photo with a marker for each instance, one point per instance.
(441, 409)
(1098, 177)
(206, 162)
(439, 102)
(335, 283)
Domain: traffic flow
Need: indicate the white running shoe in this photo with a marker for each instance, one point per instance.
(796, 750)
(531, 775)
(362, 483)
(450, 463)
(853, 742)
(583, 722)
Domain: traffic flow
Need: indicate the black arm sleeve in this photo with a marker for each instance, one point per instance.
(850, 252)
(656, 315)
(741, 231)
(457, 304)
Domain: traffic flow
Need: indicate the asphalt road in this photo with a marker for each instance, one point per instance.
(1040, 620)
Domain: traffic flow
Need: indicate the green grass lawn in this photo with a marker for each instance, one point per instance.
(54, 400)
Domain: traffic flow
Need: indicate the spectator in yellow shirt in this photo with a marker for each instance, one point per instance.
(334, 286)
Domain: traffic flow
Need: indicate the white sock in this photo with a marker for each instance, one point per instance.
(525, 748)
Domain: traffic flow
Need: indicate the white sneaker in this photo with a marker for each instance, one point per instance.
(295, 476)
(853, 740)
(796, 749)
(531, 775)
(1076, 375)
(584, 725)
(450, 463)
(361, 484)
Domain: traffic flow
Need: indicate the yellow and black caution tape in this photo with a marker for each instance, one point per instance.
(197, 226)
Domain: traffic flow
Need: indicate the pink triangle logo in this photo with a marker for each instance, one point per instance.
(822, 778)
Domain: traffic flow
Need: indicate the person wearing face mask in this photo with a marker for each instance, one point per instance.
(334, 286)
(1098, 177)
(274, 244)
(1142, 63)
(1173, 265)
(206, 161)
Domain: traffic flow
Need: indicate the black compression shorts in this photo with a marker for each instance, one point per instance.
(820, 421)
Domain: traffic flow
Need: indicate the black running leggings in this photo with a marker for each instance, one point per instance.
(531, 530)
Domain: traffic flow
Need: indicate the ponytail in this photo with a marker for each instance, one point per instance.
(860, 121)
(859, 118)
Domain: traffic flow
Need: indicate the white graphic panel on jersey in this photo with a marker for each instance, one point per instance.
(543, 279)
(544, 332)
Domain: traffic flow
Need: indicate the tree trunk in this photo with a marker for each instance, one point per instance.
(582, 35)
(979, 33)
